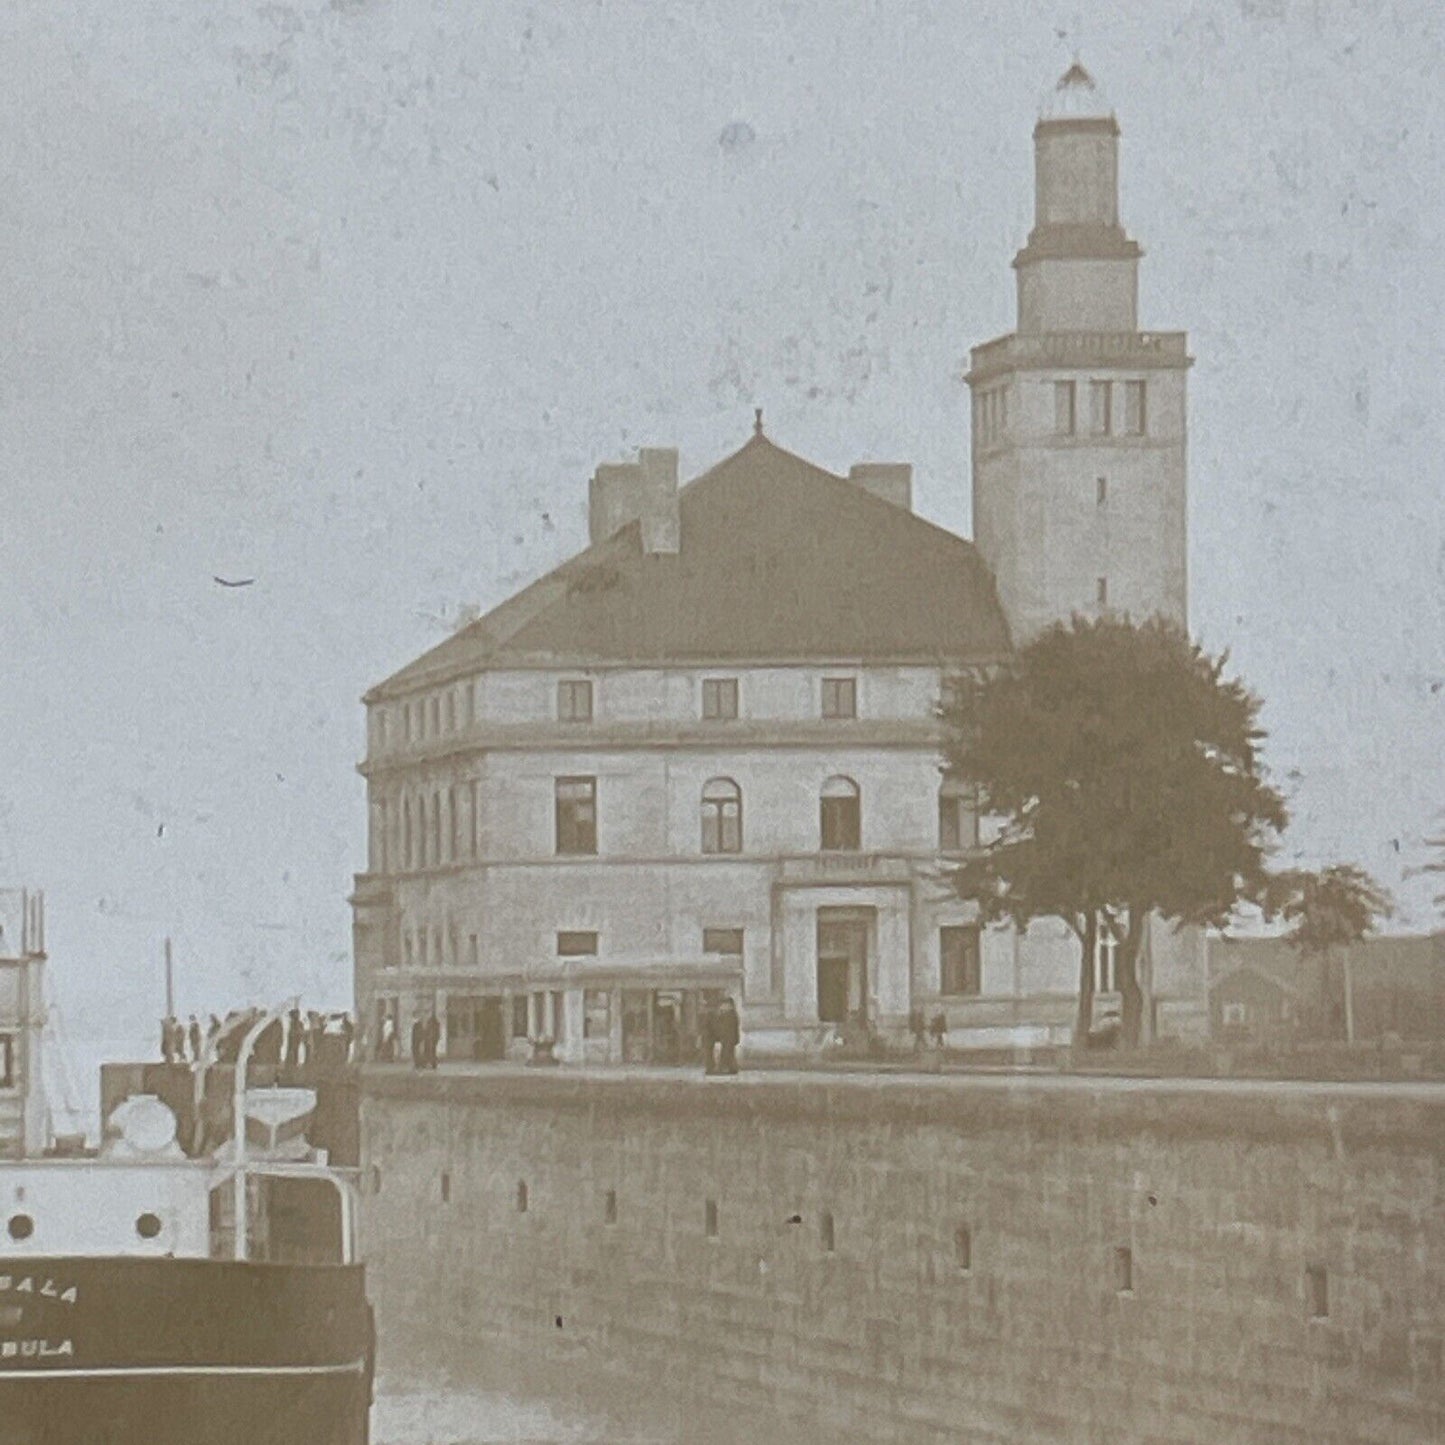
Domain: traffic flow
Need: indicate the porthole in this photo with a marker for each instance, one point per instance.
(148, 1225)
(21, 1226)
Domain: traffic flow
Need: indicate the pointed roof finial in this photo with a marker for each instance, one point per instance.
(757, 421)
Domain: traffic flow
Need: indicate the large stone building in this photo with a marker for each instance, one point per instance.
(703, 755)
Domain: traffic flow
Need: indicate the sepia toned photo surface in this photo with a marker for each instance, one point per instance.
(722, 722)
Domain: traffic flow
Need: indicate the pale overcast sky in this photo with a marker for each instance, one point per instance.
(350, 296)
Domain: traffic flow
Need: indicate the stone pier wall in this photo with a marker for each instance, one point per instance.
(978, 1258)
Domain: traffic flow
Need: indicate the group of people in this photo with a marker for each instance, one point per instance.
(294, 1041)
(934, 1032)
(721, 1031)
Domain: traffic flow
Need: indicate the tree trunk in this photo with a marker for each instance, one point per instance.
(1084, 1013)
(1131, 995)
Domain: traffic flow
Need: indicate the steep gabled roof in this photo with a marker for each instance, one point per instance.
(780, 561)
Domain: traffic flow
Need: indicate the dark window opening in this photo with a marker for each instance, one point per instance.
(148, 1225)
(576, 800)
(841, 816)
(1064, 409)
(519, 1015)
(840, 697)
(446, 1187)
(609, 1208)
(1124, 1269)
(574, 943)
(960, 965)
(825, 1232)
(725, 941)
(20, 1226)
(521, 1196)
(957, 818)
(720, 699)
(574, 701)
(709, 1218)
(722, 817)
(963, 1248)
(1318, 1279)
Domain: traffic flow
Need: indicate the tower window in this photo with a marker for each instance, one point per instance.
(1065, 415)
(1103, 591)
(840, 697)
(1103, 484)
(720, 699)
(1135, 419)
(576, 811)
(1101, 399)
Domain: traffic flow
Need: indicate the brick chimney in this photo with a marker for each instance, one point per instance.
(645, 490)
(892, 481)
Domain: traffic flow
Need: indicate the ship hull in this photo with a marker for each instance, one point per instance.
(207, 1352)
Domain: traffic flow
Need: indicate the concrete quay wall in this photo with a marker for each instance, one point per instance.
(982, 1258)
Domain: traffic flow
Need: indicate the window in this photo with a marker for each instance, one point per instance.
(958, 958)
(1101, 591)
(519, 1015)
(1317, 1282)
(434, 716)
(576, 815)
(596, 1013)
(722, 816)
(992, 415)
(1135, 419)
(1124, 1269)
(574, 701)
(474, 952)
(575, 944)
(725, 941)
(840, 697)
(1106, 957)
(436, 828)
(720, 698)
(1101, 419)
(957, 817)
(408, 858)
(1103, 490)
(1064, 417)
(840, 816)
(476, 820)
(7, 1061)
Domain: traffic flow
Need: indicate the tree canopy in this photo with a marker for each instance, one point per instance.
(1125, 767)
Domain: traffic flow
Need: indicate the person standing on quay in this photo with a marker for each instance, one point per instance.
(729, 1032)
(707, 1033)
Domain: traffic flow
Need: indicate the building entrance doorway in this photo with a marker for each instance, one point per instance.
(842, 966)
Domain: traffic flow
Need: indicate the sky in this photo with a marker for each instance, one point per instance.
(351, 296)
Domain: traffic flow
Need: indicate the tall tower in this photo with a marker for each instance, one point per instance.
(1078, 416)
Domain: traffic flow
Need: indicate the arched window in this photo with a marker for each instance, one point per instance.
(722, 816)
(841, 816)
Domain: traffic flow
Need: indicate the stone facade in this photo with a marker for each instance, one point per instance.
(737, 685)
(1079, 418)
(980, 1258)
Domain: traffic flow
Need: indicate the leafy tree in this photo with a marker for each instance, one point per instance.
(1125, 767)
(1328, 910)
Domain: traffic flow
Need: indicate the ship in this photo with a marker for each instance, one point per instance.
(194, 1276)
